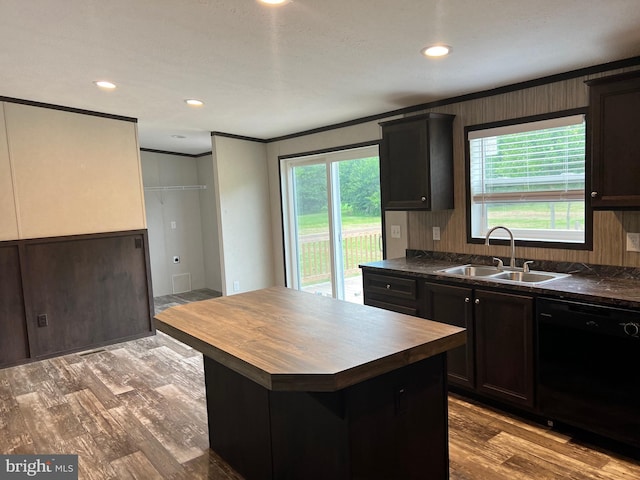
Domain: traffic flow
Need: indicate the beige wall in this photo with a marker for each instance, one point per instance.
(609, 227)
(8, 217)
(73, 173)
(243, 216)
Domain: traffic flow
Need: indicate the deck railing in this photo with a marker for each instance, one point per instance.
(315, 260)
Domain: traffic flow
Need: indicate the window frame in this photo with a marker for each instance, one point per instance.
(588, 210)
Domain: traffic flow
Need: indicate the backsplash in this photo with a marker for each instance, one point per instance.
(608, 271)
(609, 227)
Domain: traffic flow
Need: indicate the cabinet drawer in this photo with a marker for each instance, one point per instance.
(390, 286)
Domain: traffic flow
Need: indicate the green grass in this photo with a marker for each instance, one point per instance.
(319, 222)
(537, 215)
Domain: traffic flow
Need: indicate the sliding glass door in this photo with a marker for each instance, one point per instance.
(332, 220)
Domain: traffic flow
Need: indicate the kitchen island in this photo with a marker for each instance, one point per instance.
(307, 387)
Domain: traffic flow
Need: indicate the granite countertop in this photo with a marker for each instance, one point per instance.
(605, 288)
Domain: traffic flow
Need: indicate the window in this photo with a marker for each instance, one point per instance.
(529, 175)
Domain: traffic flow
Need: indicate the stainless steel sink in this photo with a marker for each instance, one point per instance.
(499, 275)
(526, 277)
(472, 271)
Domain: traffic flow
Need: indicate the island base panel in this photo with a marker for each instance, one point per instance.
(391, 426)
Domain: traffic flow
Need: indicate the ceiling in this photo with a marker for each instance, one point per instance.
(266, 72)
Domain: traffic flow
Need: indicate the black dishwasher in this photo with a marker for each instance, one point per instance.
(589, 367)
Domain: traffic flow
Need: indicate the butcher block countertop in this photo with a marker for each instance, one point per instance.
(288, 340)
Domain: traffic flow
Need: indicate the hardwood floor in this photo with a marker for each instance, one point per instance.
(137, 410)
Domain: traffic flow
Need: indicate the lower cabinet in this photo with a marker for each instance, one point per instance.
(504, 346)
(454, 306)
(498, 358)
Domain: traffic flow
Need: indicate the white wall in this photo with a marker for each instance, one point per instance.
(209, 221)
(181, 207)
(243, 214)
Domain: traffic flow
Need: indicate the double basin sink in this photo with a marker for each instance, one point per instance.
(501, 275)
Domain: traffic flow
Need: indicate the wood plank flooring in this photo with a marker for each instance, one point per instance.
(136, 410)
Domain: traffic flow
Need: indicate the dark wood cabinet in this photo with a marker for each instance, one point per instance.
(14, 345)
(416, 163)
(391, 292)
(498, 359)
(614, 123)
(454, 306)
(504, 346)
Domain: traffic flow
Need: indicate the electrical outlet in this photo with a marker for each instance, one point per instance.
(43, 321)
(395, 231)
(633, 242)
(436, 233)
(173, 225)
(176, 259)
(236, 285)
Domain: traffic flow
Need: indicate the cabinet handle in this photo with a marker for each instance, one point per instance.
(477, 302)
(594, 194)
(388, 286)
(467, 300)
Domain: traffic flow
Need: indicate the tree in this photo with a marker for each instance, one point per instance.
(359, 187)
(311, 189)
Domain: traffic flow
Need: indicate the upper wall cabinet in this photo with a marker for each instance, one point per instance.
(8, 217)
(615, 140)
(73, 173)
(416, 163)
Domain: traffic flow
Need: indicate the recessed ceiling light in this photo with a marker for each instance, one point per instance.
(436, 51)
(274, 2)
(105, 85)
(192, 102)
(178, 136)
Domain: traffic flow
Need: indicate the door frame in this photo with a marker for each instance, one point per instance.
(289, 233)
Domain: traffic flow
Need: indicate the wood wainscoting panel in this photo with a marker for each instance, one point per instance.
(14, 346)
(93, 290)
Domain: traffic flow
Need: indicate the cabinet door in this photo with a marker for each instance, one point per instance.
(504, 346)
(404, 173)
(615, 140)
(453, 305)
(13, 328)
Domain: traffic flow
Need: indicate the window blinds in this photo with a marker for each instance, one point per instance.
(539, 161)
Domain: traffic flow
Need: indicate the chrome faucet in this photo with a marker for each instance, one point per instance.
(512, 262)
